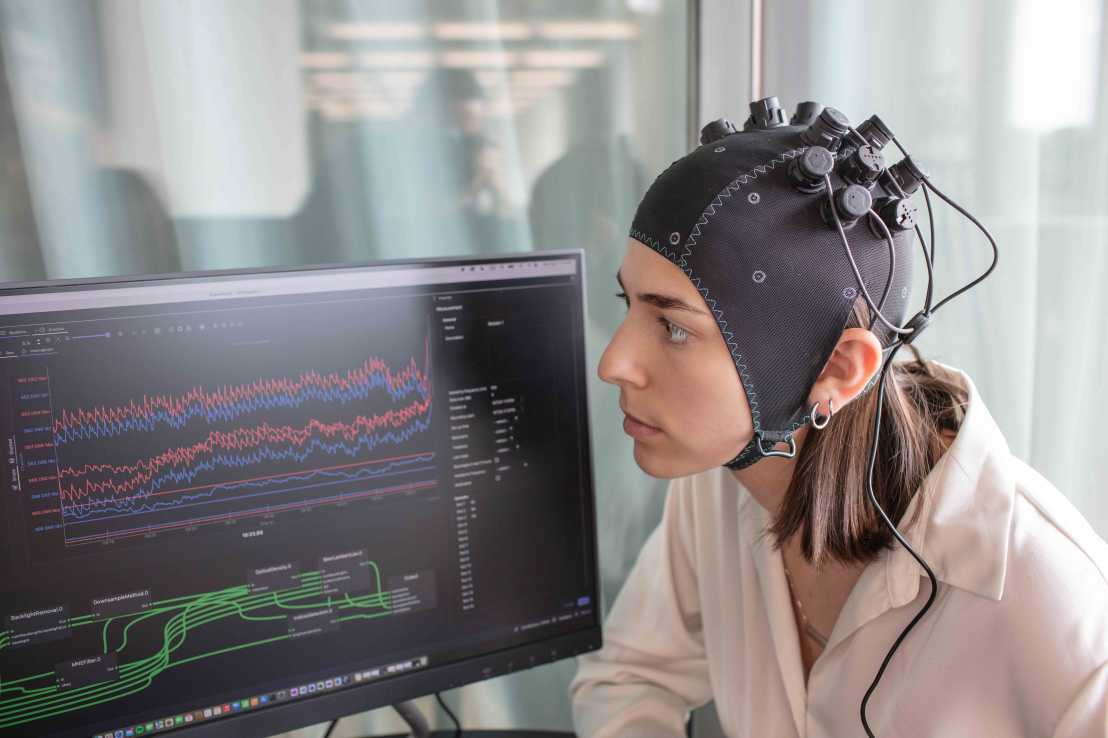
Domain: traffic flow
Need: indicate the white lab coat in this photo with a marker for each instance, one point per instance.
(1016, 643)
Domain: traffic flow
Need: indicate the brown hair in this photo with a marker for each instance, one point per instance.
(827, 501)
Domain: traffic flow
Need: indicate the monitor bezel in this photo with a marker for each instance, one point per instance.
(359, 697)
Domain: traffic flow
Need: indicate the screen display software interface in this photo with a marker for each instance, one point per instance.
(224, 493)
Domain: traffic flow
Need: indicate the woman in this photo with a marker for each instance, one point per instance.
(772, 585)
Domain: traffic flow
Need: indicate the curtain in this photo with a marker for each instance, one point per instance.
(1005, 104)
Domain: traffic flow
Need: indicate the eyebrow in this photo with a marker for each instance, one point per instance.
(665, 302)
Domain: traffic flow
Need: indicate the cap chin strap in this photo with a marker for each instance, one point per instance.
(761, 446)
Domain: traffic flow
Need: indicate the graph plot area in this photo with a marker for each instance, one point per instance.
(127, 651)
(218, 452)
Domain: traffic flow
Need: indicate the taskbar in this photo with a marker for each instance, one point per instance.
(255, 702)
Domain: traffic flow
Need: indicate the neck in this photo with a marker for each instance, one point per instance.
(768, 479)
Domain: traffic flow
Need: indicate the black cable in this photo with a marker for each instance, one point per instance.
(930, 225)
(928, 250)
(863, 139)
(457, 725)
(892, 527)
(996, 253)
(928, 258)
(892, 262)
(873, 456)
(877, 421)
(928, 255)
(930, 263)
(438, 696)
(853, 264)
(926, 199)
(928, 185)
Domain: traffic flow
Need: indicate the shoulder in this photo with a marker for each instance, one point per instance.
(1050, 628)
(1056, 580)
(1050, 534)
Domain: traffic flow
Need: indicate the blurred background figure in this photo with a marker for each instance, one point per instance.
(586, 198)
(471, 199)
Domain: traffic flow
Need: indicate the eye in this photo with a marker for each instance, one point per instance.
(677, 334)
(623, 296)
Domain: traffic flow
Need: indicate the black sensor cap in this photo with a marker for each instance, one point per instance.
(826, 130)
(907, 174)
(863, 166)
(851, 203)
(874, 130)
(806, 112)
(898, 213)
(808, 170)
(716, 130)
(765, 113)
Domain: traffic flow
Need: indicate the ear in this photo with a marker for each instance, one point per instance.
(856, 358)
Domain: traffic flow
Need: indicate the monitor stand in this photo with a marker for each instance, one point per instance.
(414, 718)
(418, 724)
(512, 733)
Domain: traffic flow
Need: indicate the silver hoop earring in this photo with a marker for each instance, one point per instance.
(821, 423)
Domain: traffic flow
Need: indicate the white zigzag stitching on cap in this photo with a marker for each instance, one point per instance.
(732, 187)
(652, 243)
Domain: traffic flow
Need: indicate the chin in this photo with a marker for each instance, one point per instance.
(648, 462)
(662, 468)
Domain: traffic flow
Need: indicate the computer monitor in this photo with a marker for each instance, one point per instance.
(239, 502)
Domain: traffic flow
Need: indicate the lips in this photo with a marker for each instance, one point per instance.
(638, 420)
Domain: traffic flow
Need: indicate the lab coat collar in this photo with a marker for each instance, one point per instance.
(962, 533)
(968, 501)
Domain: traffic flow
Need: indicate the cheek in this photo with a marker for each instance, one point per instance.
(713, 416)
(719, 410)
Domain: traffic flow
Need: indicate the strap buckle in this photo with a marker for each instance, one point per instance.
(784, 454)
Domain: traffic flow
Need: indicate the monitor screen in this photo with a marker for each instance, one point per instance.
(238, 502)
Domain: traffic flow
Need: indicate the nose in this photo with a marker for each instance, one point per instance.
(620, 363)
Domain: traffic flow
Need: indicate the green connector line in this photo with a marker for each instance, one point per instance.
(8, 682)
(107, 624)
(138, 675)
(24, 690)
(229, 649)
(146, 669)
(51, 688)
(361, 617)
(190, 598)
(183, 615)
(139, 619)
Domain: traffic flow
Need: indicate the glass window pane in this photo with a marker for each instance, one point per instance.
(146, 136)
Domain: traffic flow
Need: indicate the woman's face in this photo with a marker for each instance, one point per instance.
(675, 374)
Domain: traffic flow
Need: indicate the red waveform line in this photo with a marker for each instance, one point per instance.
(179, 490)
(235, 440)
(229, 395)
(268, 509)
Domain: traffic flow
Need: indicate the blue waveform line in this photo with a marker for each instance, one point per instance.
(197, 500)
(175, 477)
(223, 413)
